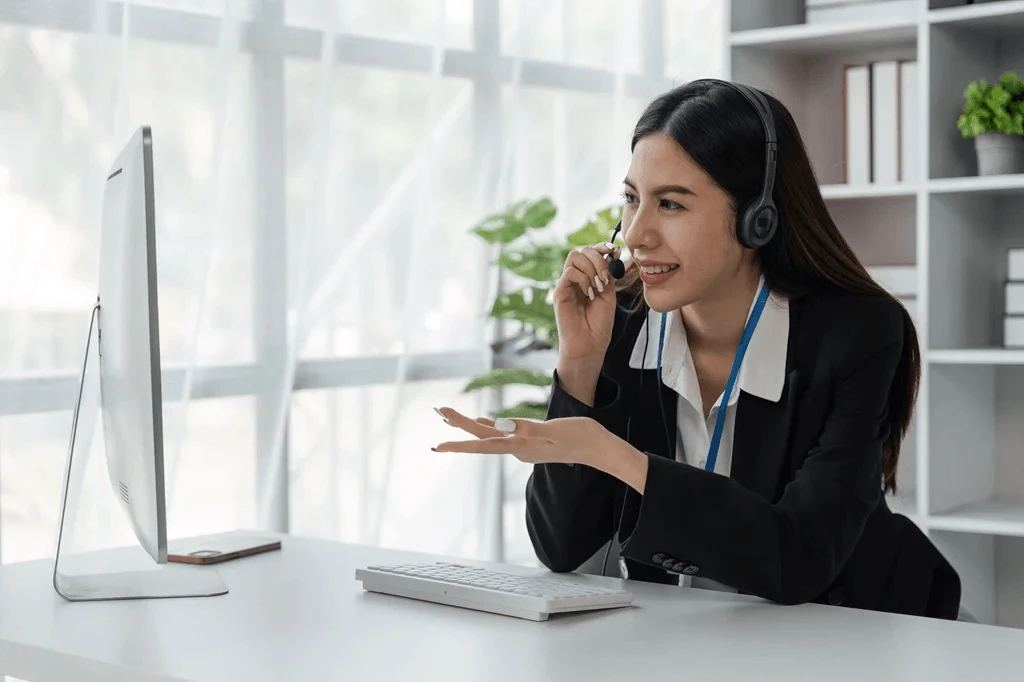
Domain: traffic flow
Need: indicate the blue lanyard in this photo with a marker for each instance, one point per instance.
(748, 331)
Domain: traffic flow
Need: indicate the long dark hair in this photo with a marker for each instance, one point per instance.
(723, 134)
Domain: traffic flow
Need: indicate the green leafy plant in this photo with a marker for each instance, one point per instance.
(528, 253)
(997, 108)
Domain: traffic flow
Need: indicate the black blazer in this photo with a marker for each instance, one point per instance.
(802, 517)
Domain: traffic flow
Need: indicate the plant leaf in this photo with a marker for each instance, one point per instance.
(997, 99)
(1012, 83)
(500, 229)
(541, 263)
(608, 217)
(506, 227)
(974, 94)
(524, 410)
(508, 377)
(539, 213)
(536, 312)
(597, 230)
(590, 233)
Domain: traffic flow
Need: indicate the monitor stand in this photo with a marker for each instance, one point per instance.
(107, 580)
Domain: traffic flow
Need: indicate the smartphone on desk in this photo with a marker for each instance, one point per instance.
(215, 549)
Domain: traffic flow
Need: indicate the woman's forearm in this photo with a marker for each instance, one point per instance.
(623, 461)
(579, 378)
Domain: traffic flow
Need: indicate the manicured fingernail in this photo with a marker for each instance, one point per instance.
(610, 245)
(606, 276)
(600, 285)
(590, 293)
(504, 424)
(442, 416)
(434, 450)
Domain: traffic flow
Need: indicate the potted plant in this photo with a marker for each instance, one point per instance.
(525, 354)
(994, 116)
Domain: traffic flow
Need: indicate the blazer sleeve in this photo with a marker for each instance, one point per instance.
(702, 523)
(571, 509)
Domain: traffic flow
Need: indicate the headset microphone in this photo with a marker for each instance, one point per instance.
(616, 268)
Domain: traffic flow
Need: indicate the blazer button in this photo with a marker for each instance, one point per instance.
(691, 569)
(668, 563)
(658, 558)
(677, 566)
(837, 596)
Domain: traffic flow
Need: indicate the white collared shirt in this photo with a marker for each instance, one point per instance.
(763, 373)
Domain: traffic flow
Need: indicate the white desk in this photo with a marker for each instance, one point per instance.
(299, 614)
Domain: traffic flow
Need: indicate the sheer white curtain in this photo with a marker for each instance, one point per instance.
(318, 167)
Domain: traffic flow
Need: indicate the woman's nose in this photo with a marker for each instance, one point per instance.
(637, 233)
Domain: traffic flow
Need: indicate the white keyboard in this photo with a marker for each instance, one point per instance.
(533, 598)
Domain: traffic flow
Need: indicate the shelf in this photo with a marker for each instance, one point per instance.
(977, 356)
(867, 191)
(813, 38)
(963, 456)
(981, 184)
(991, 517)
(1006, 16)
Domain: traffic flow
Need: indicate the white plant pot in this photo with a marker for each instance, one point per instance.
(999, 153)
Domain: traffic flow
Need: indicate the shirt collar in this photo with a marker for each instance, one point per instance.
(763, 372)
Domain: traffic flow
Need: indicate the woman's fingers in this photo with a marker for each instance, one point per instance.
(524, 448)
(599, 259)
(472, 426)
(576, 279)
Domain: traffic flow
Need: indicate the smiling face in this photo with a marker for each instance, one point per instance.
(680, 227)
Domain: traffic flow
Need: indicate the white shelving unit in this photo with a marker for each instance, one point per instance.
(962, 471)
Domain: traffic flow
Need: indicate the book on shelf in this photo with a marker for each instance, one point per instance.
(857, 124)
(885, 114)
(908, 123)
(880, 114)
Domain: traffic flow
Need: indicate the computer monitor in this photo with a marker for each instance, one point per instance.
(130, 397)
(129, 344)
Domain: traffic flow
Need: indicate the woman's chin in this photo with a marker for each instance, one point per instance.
(662, 301)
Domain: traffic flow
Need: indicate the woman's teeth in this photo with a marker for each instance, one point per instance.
(658, 269)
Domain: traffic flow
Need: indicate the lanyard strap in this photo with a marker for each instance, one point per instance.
(748, 331)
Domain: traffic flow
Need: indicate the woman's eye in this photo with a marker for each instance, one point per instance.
(629, 198)
(670, 205)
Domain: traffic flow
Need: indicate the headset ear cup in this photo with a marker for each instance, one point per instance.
(759, 224)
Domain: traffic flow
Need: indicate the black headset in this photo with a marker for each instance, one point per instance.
(757, 223)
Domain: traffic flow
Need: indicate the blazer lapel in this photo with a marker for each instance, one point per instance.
(762, 437)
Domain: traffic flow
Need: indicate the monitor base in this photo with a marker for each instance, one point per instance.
(166, 581)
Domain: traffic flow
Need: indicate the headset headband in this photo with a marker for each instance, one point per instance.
(764, 112)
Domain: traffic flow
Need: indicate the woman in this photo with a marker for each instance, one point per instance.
(780, 495)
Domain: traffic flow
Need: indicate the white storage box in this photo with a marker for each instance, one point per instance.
(1013, 331)
(1015, 298)
(898, 280)
(1015, 265)
(834, 11)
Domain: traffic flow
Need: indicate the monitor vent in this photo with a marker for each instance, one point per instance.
(123, 490)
